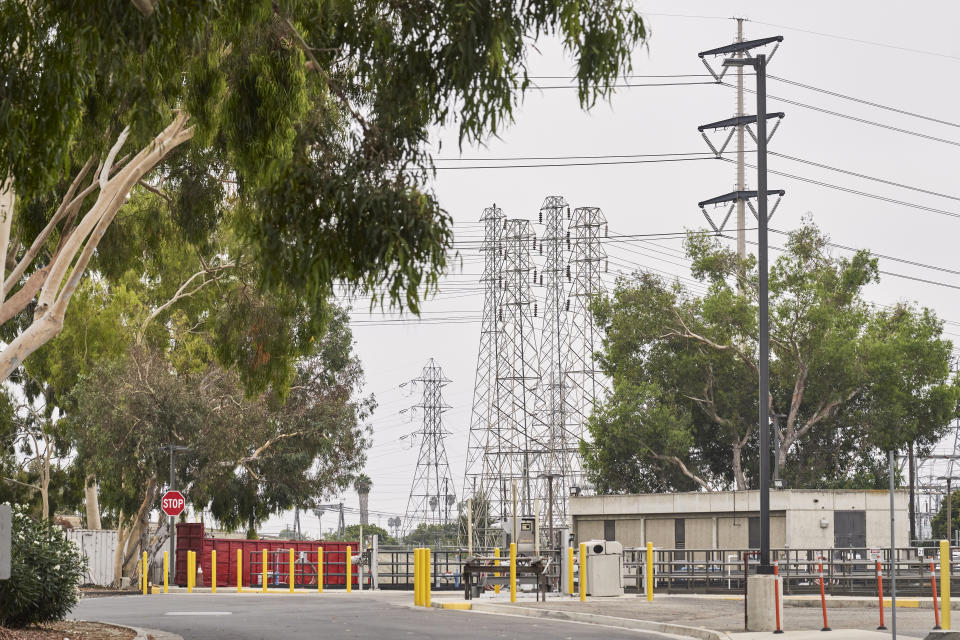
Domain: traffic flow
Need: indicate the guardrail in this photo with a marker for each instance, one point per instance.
(845, 571)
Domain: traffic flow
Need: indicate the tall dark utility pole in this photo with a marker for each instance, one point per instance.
(759, 64)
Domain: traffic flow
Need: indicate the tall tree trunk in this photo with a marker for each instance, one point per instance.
(364, 502)
(92, 502)
(911, 470)
(45, 477)
(739, 477)
(7, 199)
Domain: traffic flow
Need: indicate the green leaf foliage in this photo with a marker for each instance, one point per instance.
(312, 115)
(848, 381)
(45, 576)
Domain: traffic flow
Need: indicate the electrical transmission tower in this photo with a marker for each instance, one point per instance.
(481, 442)
(517, 452)
(503, 449)
(432, 493)
(585, 383)
(553, 410)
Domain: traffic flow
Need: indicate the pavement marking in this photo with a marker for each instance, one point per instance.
(462, 606)
(198, 613)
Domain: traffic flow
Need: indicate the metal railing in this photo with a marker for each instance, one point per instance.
(845, 571)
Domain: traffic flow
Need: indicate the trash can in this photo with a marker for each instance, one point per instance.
(604, 568)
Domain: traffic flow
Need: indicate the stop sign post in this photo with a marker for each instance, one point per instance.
(173, 503)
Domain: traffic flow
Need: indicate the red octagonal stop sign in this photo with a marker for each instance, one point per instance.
(173, 503)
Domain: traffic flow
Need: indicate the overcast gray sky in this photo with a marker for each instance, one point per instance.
(889, 53)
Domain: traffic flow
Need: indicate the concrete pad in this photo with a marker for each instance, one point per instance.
(846, 634)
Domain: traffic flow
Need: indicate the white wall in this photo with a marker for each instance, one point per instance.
(98, 547)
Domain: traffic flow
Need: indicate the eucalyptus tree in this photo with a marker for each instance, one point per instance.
(314, 116)
(847, 380)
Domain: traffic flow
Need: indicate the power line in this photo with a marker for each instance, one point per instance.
(572, 164)
(865, 177)
(866, 102)
(578, 157)
(626, 85)
(858, 40)
(859, 193)
(846, 116)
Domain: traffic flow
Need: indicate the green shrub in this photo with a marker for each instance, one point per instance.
(45, 575)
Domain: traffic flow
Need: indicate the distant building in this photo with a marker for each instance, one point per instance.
(799, 519)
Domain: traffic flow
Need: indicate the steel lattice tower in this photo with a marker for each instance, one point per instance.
(553, 411)
(584, 381)
(483, 418)
(516, 452)
(432, 494)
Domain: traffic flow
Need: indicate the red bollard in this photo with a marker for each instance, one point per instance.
(776, 596)
(823, 598)
(933, 585)
(882, 627)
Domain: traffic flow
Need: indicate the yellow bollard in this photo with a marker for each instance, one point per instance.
(583, 572)
(143, 571)
(213, 571)
(263, 568)
(319, 569)
(239, 570)
(349, 557)
(496, 554)
(416, 577)
(570, 570)
(427, 576)
(292, 576)
(513, 572)
(190, 572)
(649, 572)
(945, 584)
(166, 570)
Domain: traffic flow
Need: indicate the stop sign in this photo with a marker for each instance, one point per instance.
(173, 503)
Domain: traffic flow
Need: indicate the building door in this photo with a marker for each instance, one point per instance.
(679, 537)
(850, 529)
(609, 530)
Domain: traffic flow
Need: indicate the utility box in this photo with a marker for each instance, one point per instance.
(604, 568)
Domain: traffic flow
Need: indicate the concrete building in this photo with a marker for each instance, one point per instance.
(799, 519)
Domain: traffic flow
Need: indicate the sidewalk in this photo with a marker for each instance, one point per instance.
(710, 618)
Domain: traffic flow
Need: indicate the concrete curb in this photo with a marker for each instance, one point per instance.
(700, 633)
(155, 634)
(142, 634)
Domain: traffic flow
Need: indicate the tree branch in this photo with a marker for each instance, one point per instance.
(683, 469)
(182, 293)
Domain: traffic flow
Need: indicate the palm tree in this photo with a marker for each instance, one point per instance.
(363, 484)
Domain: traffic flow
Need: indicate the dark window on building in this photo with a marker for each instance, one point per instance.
(753, 532)
(850, 529)
(679, 536)
(609, 529)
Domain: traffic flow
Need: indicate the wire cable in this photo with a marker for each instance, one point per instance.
(846, 116)
(865, 194)
(836, 94)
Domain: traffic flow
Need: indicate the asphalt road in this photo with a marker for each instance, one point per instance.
(331, 615)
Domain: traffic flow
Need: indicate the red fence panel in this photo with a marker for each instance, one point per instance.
(190, 537)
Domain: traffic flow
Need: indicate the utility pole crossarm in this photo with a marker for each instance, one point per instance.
(740, 47)
(737, 122)
(733, 196)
